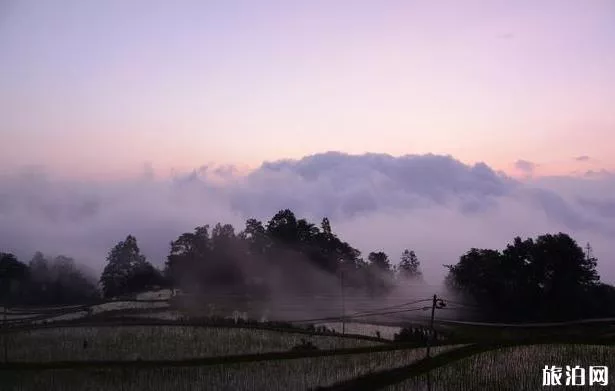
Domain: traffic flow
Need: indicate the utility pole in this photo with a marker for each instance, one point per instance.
(436, 303)
(5, 336)
(343, 302)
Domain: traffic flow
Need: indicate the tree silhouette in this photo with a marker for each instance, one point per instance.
(13, 277)
(187, 256)
(409, 266)
(379, 261)
(125, 263)
(546, 278)
(283, 227)
(44, 281)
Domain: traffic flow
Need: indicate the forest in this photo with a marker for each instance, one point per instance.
(548, 278)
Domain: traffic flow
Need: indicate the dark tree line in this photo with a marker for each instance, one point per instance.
(44, 281)
(547, 278)
(286, 253)
(293, 254)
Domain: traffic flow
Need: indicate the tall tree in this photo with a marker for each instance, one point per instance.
(40, 272)
(187, 256)
(223, 270)
(58, 281)
(256, 237)
(123, 261)
(283, 227)
(410, 266)
(307, 232)
(68, 284)
(379, 261)
(325, 225)
(380, 273)
(13, 277)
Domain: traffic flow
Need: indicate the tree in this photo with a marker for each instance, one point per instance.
(187, 256)
(379, 261)
(123, 262)
(283, 227)
(256, 237)
(307, 232)
(67, 284)
(144, 276)
(409, 266)
(478, 274)
(40, 277)
(379, 273)
(204, 263)
(13, 277)
(548, 278)
(325, 225)
(223, 270)
(58, 281)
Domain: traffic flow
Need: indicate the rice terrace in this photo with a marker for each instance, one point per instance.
(150, 345)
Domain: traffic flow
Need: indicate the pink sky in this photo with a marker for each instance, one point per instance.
(101, 88)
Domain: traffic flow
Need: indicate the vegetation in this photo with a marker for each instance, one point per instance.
(409, 266)
(44, 281)
(215, 261)
(546, 279)
(248, 357)
(103, 337)
(296, 374)
(159, 342)
(549, 278)
(127, 270)
(512, 368)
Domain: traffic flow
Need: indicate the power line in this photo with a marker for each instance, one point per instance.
(462, 308)
(461, 304)
(375, 312)
(393, 306)
(357, 316)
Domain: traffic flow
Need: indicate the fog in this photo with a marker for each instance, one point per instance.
(432, 204)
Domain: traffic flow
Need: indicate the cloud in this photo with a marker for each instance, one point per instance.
(433, 204)
(505, 36)
(583, 158)
(525, 166)
(602, 173)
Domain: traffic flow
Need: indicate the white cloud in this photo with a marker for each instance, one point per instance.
(433, 204)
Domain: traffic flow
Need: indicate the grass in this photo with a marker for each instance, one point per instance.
(163, 315)
(387, 332)
(168, 355)
(158, 342)
(31, 316)
(295, 374)
(512, 368)
(482, 333)
(472, 367)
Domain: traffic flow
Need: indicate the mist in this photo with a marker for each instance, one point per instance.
(435, 205)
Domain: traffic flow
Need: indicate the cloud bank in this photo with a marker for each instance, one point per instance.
(433, 204)
(526, 167)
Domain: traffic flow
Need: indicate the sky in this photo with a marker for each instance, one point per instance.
(409, 123)
(102, 88)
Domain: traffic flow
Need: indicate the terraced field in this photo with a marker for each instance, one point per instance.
(159, 342)
(513, 368)
(115, 349)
